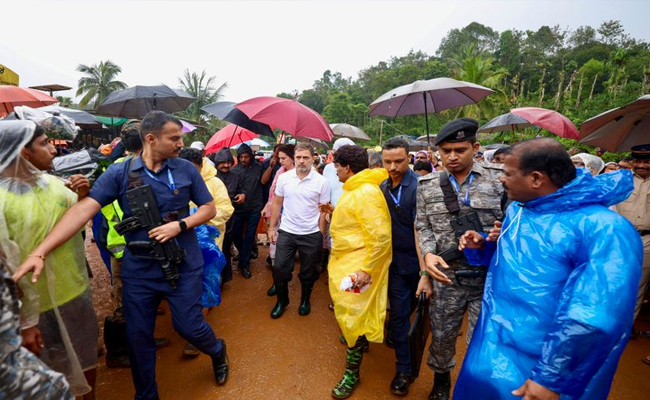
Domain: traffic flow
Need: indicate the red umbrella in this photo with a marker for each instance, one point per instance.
(288, 115)
(229, 136)
(550, 120)
(525, 117)
(13, 96)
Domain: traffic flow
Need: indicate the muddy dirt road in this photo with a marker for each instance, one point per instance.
(293, 357)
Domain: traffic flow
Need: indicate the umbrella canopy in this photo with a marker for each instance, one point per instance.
(349, 131)
(13, 96)
(187, 127)
(524, 117)
(226, 111)
(288, 115)
(80, 117)
(620, 128)
(431, 96)
(316, 143)
(219, 109)
(136, 101)
(258, 142)
(228, 136)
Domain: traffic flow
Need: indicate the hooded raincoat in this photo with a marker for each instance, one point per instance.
(221, 200)
(559, 296)
(59, 304)
(361, 235)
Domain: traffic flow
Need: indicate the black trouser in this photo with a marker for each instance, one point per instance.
(401, 293)
(309, 248)
(226, 273)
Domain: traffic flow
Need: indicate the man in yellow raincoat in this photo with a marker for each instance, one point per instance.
(362, 250)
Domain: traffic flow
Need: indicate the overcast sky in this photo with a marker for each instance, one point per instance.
(261, 48)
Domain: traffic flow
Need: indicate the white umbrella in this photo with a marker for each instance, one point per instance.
(619, 129)
(349, 131)
(431, 96)
(255, 142)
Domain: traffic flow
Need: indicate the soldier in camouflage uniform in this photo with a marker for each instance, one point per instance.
(458, 287)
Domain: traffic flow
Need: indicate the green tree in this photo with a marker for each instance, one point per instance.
(98, 83)
(484, 38)
(64, 101)
(202, 87)
(471, 66)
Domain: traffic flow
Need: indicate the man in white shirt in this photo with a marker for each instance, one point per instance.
(298, 195)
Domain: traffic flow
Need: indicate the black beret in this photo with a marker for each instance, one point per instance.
(641, 152)
(458, 130)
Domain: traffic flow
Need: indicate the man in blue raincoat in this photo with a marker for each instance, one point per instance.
(560, 293)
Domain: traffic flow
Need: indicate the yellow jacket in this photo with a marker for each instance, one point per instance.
(221, 200)
(361, 237)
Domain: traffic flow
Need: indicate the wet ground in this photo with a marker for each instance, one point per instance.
(292, 357)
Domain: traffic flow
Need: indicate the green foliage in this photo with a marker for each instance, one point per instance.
(202, 87)
(98, 82)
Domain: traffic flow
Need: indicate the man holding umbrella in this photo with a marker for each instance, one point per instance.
(464, 194)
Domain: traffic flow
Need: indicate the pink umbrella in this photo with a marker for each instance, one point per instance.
(550, 120)
(229, 136)
(288, 115)
(13, 96)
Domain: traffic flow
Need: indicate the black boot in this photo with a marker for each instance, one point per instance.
(400, 383)
(220, 364)
(305, 306)
(282, 291)
(117, 354)
(245, 272)
(441, 386)
(272, 291)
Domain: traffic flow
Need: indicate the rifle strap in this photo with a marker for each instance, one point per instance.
(450, 196)
(134, 180)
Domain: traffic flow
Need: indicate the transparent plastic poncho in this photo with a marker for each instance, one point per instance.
(31, 202)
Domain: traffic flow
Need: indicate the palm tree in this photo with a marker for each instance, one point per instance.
(470, 65)
(98, 83)
(202, 87)
(64, 101)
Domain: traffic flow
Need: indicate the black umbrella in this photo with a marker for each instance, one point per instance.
(227, 111)
(136, 101)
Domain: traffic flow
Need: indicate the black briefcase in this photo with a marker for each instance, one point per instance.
(419, 334)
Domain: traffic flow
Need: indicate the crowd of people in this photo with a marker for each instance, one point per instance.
(544, 250)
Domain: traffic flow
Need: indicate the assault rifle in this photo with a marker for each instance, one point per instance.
(146, 216)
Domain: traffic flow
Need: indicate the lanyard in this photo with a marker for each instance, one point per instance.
(171, 185)
(456, 186)
(397, 199)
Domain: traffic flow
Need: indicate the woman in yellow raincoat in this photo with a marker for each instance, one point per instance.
(361, 235)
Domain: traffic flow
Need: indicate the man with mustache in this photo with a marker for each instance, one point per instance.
(635, 209)
(298, 195)
(465, 192)
(174, 183)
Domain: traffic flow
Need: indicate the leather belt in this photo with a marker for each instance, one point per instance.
(644, 232)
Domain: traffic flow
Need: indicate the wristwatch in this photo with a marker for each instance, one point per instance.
(182, 224)
(424, 273)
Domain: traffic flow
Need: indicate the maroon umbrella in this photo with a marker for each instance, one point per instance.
(524, 117)
(288, 115)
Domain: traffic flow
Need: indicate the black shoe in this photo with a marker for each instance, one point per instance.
(220, 364)
(161, 342)
(269, 261)
(441, 386)
(245, 272)
(254, 253)
(400, 383)
(271, 292)
(117, 361)
(282, 291)
(305, 305)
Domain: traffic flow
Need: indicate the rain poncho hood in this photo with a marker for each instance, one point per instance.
(244, 148)
(223, 155)
(221, 200)
(361, 240)
(31, 203)
(593, 163)
(559, 296)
